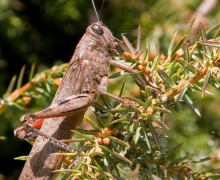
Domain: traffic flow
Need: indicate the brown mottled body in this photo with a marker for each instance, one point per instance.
(85, 78)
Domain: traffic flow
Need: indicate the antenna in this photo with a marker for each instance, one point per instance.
(95, 10)
(103, 2)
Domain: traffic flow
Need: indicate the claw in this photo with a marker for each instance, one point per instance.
(29, 118)
(21, 132)
(24, 132)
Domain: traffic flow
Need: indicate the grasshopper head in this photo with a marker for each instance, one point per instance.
(102, 36)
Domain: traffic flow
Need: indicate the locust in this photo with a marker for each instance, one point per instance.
(85, 79)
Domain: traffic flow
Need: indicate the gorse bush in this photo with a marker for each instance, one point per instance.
(122, 142)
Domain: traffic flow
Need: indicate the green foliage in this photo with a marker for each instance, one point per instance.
(175, 133)
(124, 139)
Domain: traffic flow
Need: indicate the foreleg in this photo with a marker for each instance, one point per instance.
(131, 70)
(102, 90)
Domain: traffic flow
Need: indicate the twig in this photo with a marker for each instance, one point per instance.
(192, 80)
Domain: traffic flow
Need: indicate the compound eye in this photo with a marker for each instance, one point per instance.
(97, 29)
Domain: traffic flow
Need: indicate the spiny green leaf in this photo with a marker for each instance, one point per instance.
(155, 63)
(186, 54)
(131, 130)
(191, 104)
(20, 78)
(181, 70)
(93, 154)
(213, 82)
(187, 65)
(175, 77)
(203, 33)
(142, 93)
(197, 59)
(172, 68)
(175, 148)
(145, 135)
(103, 173)
(115, 75)
(217, 33)
(161, 124)
(122, 45)
(92, 123)
(123, 143)
(115, 154)
(100, 119)
(76, 172)
(204, 38)
(32, 72)
(147, 102)
(120, 94)
(181, 94)
(109, 120)
(120, 120)
(171, 44)
(166, 79)
(213, 28)
(177, 46)
(154, 134)
(186, 51)
(82, 135)
(206, 80)
(48, 87)
(128, 44)
(98, 107)
(40, 90)
(198, 89)
(155, 108)
(104, 135)
(106, 101)
(22, 158)
(10, 86)
(157, 47)
(137, 134)
(211, 43)
(203, 160)
(17, 105)
(147, 91)
(148, 50)
(68, 154)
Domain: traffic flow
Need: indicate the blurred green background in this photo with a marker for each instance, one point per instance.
(46, 33)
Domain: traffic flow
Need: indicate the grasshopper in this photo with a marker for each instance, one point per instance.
(85, 79)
